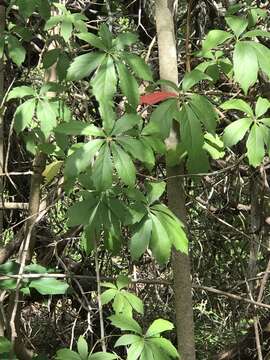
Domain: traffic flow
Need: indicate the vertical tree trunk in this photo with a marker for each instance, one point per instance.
(27, 248)
(176, 197)
(2, 89)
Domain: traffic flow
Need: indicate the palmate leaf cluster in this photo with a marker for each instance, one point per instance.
(102, 160)
(139, 345)
(105, 168)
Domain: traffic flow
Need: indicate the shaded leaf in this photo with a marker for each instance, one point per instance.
(24, 114)
(124, 165)
(128, 85)
(102, 169)
(138, 65)
(140, 239)
(245, 65)
(83, 65)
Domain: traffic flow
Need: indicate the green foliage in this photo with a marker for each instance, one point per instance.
(256, 127)
(83, 353)
(124, 302)
(148, 346)
(44, 285)
(101, 166)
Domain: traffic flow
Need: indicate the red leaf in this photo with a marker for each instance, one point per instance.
(156, 97)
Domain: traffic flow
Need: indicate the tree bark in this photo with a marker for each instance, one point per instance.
(2, 89)
(176, 198)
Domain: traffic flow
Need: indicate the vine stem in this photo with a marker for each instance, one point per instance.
(101, 320)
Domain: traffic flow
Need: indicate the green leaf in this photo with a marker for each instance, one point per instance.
(159, 326)
(237, 24)
(5, 345)
(46, 116)
(82, 347)
(124, 165)
(66, 27)
(193, 140)
(138, 149)
(108, 115)
(104, 82)
(108, 295)
(9, 268)
(147, 353)
(174, 229)
(121, 305)
(125, 39)
(102, 169)
(263, 54)
(127, 339)
(215, 38)
(255, 145)
(16, 51)
(160, 243)
(62, 66)
(87, 240)
(255, 33)
(45, 9)
(125, 323)
(166, 346)
(78, 128)
(53, 21)
(83, 65)
(80, 212)
(134, 301)
(125, 123)
(66, 354)
(24, 114)
(82, 158)
(163, 115)
(214, 146)
(50, 58)
(108, 285)
(204, 111)
(49, 286)
(105, 35)
(238, 104)
(236, 131)
(102, 356)
(158, 353)
(154, 191)
(245, 65)
(35, 268)
(52, 170)
(135, 350)
(122, 282)
(92, 39)
(20, 92)
(26, 8)
(192, 78)
(128, 85)
(140, 239)
(138, 65)
(262, 105)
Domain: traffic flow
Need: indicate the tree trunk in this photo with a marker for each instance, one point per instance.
(176, 197)
(2, 89)
(28, 245)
